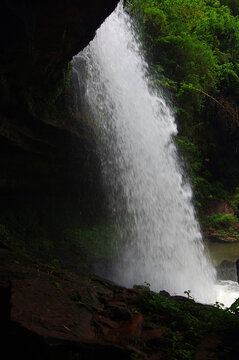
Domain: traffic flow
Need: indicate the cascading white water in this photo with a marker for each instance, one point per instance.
(159, 238)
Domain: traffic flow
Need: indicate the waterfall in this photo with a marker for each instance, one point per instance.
(158, 237)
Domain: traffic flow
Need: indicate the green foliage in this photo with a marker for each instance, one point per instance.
(193, 49)
(41, 101)
(189, 151)
(188, 293)
(234, 308)
(232, 4)
(193, 41)
(74, 297)
(57, 232)
(219, 305)
(55, 264)
(58, 286)
(188, 323)
(219, 221)
(234, 201)
(92, 243)
(222, 227)
(136, 356)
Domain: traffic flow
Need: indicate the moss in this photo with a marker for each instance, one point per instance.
(221, 227)
(92, 243)
(43, 102)
(58, 286)
(221, 221)
(188, 323)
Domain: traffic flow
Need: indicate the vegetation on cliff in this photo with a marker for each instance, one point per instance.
(192, 48)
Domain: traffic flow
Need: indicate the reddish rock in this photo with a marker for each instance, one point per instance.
(117, 310)
(106, 321)
(38, 306)
(48, 321)
(103, 325)
(153, 336)
(133, 328)
(207, 349)
(118, 304)
(127, 331)
(215, 206)
(157, 356)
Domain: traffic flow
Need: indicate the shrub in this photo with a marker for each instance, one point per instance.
(220, 221)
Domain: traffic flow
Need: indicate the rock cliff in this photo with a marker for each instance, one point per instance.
(47, 156)
(38, 40)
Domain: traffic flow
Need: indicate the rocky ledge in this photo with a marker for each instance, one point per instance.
(54, 314)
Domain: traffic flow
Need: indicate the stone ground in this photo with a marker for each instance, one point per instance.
(54, 314)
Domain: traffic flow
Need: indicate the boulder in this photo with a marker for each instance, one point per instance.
(227, 271)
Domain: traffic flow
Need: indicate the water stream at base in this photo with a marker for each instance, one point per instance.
(158, 238)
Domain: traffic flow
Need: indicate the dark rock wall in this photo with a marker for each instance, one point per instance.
(38, 39)
(48, 159)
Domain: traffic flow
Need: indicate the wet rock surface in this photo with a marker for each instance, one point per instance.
(51, 313)
(227, 271)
